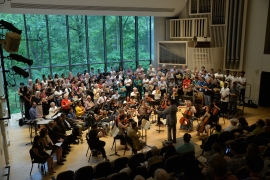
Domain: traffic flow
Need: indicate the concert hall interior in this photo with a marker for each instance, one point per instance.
(145, 89)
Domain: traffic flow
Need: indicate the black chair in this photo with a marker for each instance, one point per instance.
(173, 164)
(242, 173)
(129, 143)
(84, 173)
(148, 155)
(251, 137)
(154, 167)
(162, 150)
(266, 152)
(140, 157)
(140, 171)
(34, 160)
(102, 169)
(224, 137)
(93, 152)
(66, 175)
(119, 164)
(252, 127)
(118, 176)
(207, 145)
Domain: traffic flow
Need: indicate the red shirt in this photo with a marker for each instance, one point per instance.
(186, 83)
(65, 102)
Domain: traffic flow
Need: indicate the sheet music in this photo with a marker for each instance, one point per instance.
(58, 144)
(49, 152)
(147, 125)
(69, 132)
(115, 132)
(163, 121)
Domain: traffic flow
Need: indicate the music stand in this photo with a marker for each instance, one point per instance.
(114, 133)
(145, 126)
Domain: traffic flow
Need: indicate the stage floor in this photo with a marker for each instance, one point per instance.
(20, 159)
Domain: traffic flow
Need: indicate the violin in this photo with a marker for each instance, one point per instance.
(215, 111)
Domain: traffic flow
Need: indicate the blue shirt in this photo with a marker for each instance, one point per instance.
(185, 148)
(71, 115)
(202, 83)
(33, 113)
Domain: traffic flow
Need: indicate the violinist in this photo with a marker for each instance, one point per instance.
(122, 126)
(131, 102)
(88, 104)
(147, 98)
(204, 121)
(143, 112)
(162, 107)
(189, 110)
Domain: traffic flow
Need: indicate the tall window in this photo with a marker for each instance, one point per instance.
(61, 43)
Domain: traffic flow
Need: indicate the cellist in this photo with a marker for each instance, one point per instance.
(204, 121)
(189, 110)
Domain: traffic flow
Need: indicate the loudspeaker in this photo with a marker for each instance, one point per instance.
(12, 42)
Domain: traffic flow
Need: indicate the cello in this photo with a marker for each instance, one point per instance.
(204, 121)
(185, 121)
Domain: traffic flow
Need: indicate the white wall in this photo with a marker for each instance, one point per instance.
(159, 35)
(254, 59)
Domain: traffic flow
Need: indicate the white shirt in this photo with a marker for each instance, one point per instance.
(230, 128)
(154, 81)
(242, 80)
(218, 75)
(115, 96)
(145, 82)
(233, 79)
(52, 110)
(151, 71)
(162, 85)
(134, 94)
(157, 96)
(56, 93)
(223, 93)
(127, 82)
(228, 78)
(101, 99)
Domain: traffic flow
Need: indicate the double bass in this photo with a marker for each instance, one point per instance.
(185, 121)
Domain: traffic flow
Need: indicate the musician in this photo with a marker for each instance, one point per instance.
(154, 80)
(95, 143)
(174, 94)
(138, 84)
(102, 98)
(128, 85)
(192, 109)
(163, 105)
(88, 104)
(122, 90)
(122, 126)
(186, 85)
(80, 110)
(71, 124)
(134, 133)
(208, 92)
(143, 112)
(45, 105)
(162, 86)
(53, 109)
(96, 92)
(170, 120)
(116, 95)
(58, 95)
(157, 93)
(225, 93)
(135, 94)
(227, 77)
(147, 98)
(204, 121)
(145, 83)
(65, 104)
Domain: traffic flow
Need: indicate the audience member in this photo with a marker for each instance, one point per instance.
(161, 174)
(170, 151)
(155, 158)
(187, 146)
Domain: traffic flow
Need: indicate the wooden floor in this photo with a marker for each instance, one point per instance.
(20, 159)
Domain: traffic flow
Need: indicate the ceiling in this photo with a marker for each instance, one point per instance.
(160, 8)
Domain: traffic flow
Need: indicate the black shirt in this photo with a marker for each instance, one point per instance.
(93, 139)
(207, 92)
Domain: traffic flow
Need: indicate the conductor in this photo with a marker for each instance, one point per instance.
(170, 119)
